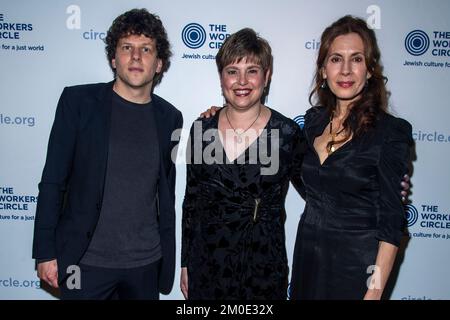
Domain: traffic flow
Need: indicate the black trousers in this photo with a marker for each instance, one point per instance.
(106, 283)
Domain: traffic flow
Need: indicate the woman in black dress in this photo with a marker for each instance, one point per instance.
(233, 239)
(356, 154)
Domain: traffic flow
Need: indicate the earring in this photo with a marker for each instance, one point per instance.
(324, 84)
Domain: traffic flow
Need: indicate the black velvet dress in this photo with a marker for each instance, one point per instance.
(233, 241)
(352, 202)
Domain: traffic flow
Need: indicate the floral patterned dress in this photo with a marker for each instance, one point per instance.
(233, 241)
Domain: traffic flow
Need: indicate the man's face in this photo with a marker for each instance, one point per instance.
(136, 61)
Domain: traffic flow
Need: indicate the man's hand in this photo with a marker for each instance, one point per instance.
(48, 272)
(405, 188)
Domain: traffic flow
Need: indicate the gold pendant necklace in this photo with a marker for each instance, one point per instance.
(330, 146)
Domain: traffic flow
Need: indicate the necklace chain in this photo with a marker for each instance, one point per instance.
(239, 135)
(330, 147)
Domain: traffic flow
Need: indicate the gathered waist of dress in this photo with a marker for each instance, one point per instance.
(252, 209)
(329, 214)
(326, 202)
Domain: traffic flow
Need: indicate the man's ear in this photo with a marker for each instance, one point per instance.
(159, 66)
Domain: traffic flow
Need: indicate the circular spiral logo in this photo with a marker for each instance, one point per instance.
(417, 42)
(411, 214)
(193, 35)
(300, 120)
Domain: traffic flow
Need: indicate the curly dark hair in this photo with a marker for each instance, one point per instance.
(139, 22)
(374, 97)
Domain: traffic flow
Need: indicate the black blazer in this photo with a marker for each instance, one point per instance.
(71, 189)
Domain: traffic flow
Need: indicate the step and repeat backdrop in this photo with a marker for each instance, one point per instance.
(47, 45)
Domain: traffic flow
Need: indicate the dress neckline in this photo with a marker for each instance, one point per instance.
(317, 129)
(245, 151)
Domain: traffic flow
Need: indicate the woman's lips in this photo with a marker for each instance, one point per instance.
(242, 92)
(345, 84)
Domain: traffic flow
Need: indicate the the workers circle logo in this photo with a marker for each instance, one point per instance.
(417, 42)
(193, 35)
(300, 120)
(411, 214)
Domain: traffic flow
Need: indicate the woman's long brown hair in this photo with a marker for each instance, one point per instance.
(373, 99)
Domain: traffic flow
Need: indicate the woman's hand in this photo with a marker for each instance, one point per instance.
(381, 270)
(373, 294)
(211, 112)
(184, 282)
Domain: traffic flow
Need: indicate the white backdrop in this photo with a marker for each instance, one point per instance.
(46, 45)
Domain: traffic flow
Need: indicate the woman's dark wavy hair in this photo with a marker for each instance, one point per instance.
(139, 22)
(373, 99)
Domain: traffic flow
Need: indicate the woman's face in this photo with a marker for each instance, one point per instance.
(345, 68)
(243, 84)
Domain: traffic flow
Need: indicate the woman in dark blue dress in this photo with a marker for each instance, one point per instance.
(356, 155)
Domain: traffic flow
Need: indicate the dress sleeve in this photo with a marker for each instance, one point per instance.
(298, 153)
(300, 148)
(189, 198)
(393, 164)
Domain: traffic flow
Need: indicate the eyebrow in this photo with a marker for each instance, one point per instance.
(142, 44)
(353, 54)
(250, 66)
(255, 66)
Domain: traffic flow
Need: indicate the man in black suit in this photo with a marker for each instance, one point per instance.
(106, 205)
